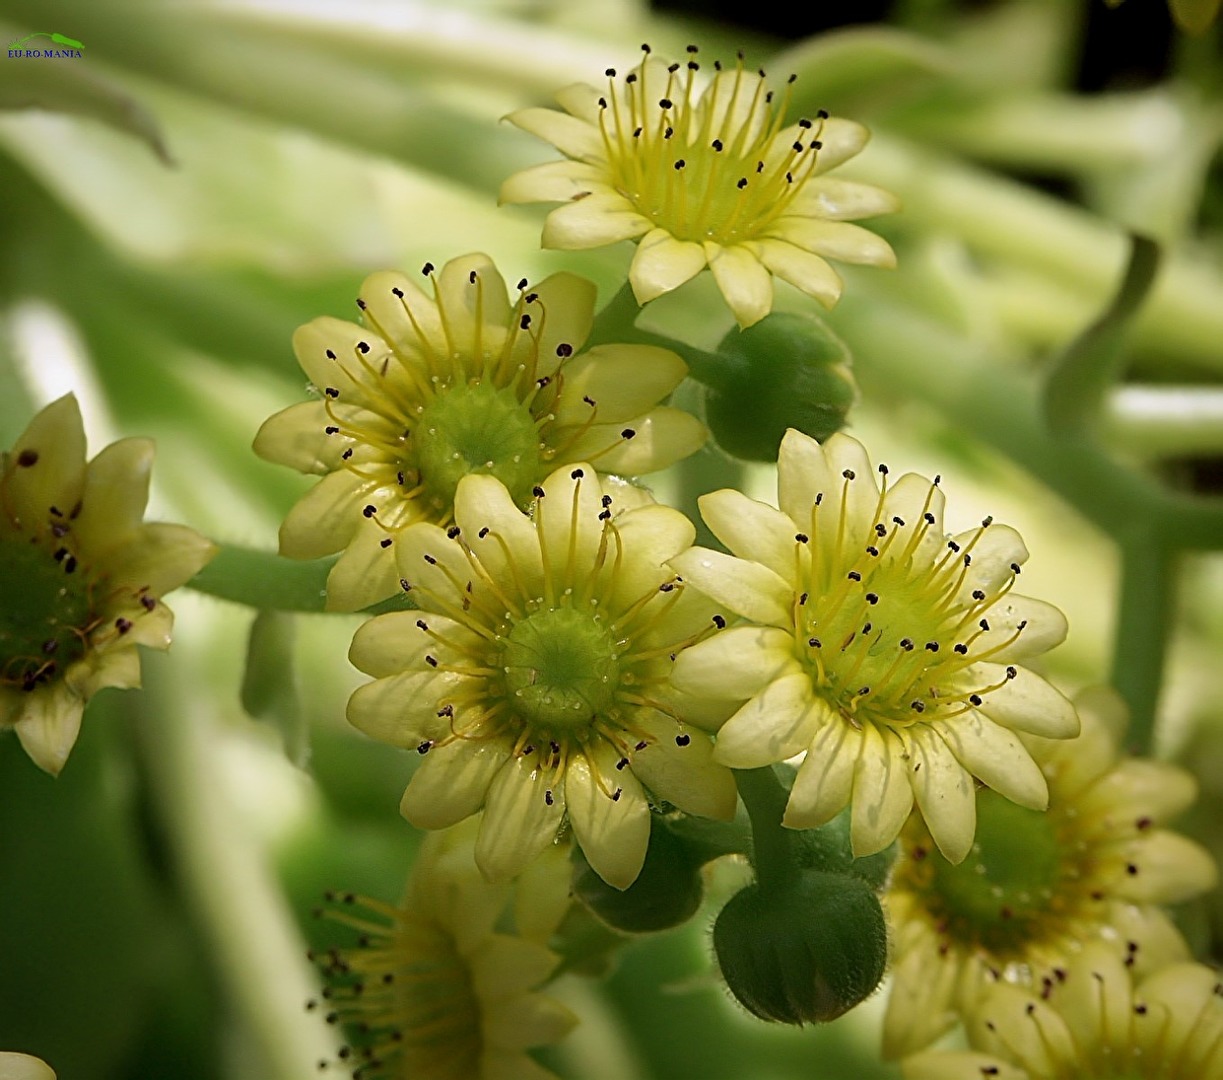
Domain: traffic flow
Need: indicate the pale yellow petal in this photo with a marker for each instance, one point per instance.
(501, 536)
(523, 813)
(592, 222)
(473, 306)
(328, 350)
(684, 772)
(533, 1020)
(802, 475)
(158, 558)
(663, 263)
(399, 641)
(805, 271)
(1024, 702)
(643, 444)
(840, 139)
(48, 725)
(754, 530)
(995, 756)
(405, 315)
(649, 537)
(503, 967)
(297, 437)
(959, 1065)
(573, 137)
(324, 520)
(553, 181)
(622, 381)
(736, 663)
(562, 313)
(46, 466)
(1140, 788)
(403, 709)
(945, 794)
(567, 517)
(452, 782)
(746, 588)
(835, 240)
(24, 1067)
(824, 782)
(843, 200)
(882, 796)
(365, 572)
(746, 286)
(776, 724)
(1169, 868)
(114, 495)
(609, 814)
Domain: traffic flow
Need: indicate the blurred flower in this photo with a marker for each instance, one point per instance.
(24, 1067)
(81, 577)
(1092, 1023)
(433, 988)
(534, 675)
(1036, 887)
(887, 651)
(703, 173)
(465, 382)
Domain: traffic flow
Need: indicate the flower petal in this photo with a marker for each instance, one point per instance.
(365, 572)
(114, 495)
(663, 263)
(658, 438)
(1142, 788)
(572, 137)
(686, 776)
(752, 530)
(1171, 868)
(46, 466)
(48, 725)
(609, 814)
(395, 642)
(528, 1020)
(774, 725)
(747, 588)
(328, 350)
(805, 271)
(406, 316)
(553, 181)
(996, 757)
(297, 437)
(944, 792)
(402, 709)
(158, 558)
(736, 663)
(452, 782)
(745, 284)
(473, 306)
(835, 240)
(825, 778)
(522, 815)
(592, 222)
(503, 967)
(649, 537)
(843, 200)
(623, 381)
(802, 474)
(840, 139)
(24, 1067)
(959, 1065)
(567, 302)
(326, 517)
(500, 535)
(567, 518)
(1025, 702)
(882, 796)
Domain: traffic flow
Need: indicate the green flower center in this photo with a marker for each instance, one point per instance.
(561, 669)
(44, 613)
(476, 428)
(1001, 895)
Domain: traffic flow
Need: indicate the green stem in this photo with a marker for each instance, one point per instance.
(268, 582)
(765, 797)
(259, 956)
(1141, 634)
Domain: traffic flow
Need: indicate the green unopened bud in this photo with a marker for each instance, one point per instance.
(666, 893)
(787, 371)
(804, 952)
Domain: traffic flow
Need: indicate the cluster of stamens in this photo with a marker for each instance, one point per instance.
(880, 625)
(403, 994)
(560, 671)
(63, 613)
(705, 166)
(488, 406)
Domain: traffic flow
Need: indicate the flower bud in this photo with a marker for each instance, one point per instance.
(787, 371)
(666, 893)
(828, 848)
(806, 951)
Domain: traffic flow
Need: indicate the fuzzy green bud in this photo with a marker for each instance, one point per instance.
(666, 893)
(786, 371)
(806, 951)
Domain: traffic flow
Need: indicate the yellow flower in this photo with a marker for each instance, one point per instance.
(1036, 887)
(435, 988)
(432, 389)
(81, 577)
(1096, 1022)
(533, 675)
(885, 649)
(703, 173)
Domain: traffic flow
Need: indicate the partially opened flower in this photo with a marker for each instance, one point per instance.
(81, 577)
(435, 987)
(534, 675)
(1036, 887)
(886, 650)
(434, 388)
(703, 173)
(1097, 1021)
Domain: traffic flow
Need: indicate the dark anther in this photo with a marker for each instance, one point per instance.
(1011, 672)
(680, 164)
(953, 545)
(671, 69)
(961, 648)
(813, 642)
(822, 114)
(589, 400)
(917, 706)
(1142, 824)
(605, 515)
(606, 500)
(883, 469)
(615, 796)
(667, 586)
(932, 646)
(471, 278)
(928, 517)
(802, 599)
(532, 297)
(664, 103)
(977, 594)
(332, 392)
(719, 622)
(804, 123)
(577, 474)
(602, 103)
(1131, 869)
(975, 698)
(816, 145)
(123, 625)
(385, 543)
(369, 511)
(872, 598)
(798, 147)
(848, 474)
(397, 291)
(331, 430)
(537, 491)
(421, 624)
(525, 322)
(984, 624)
(641, 745)
(906, 644)
(362, 347)
(1014, 568)
(717, 145)
(967, 559)
(628, 433)
(683, 740)
(610, 73)
(483, 532)
(548, 797)
(853, 575)
(431, 661)
(801, 538)
(70, 564)
(427, 269)
(564, 349)
(880, 530)
(347, 454)
(742, 183)
(430, 560)
(872, 551)
(405, 585)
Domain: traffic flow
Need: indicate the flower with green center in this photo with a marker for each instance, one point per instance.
(81, 577)
(1036, 886)
(1097, 1021)
(885, 649)
(434, 388)
(534, 676)
(703, 173)
(434, 987)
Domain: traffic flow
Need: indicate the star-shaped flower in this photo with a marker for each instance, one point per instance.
(703, 173)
